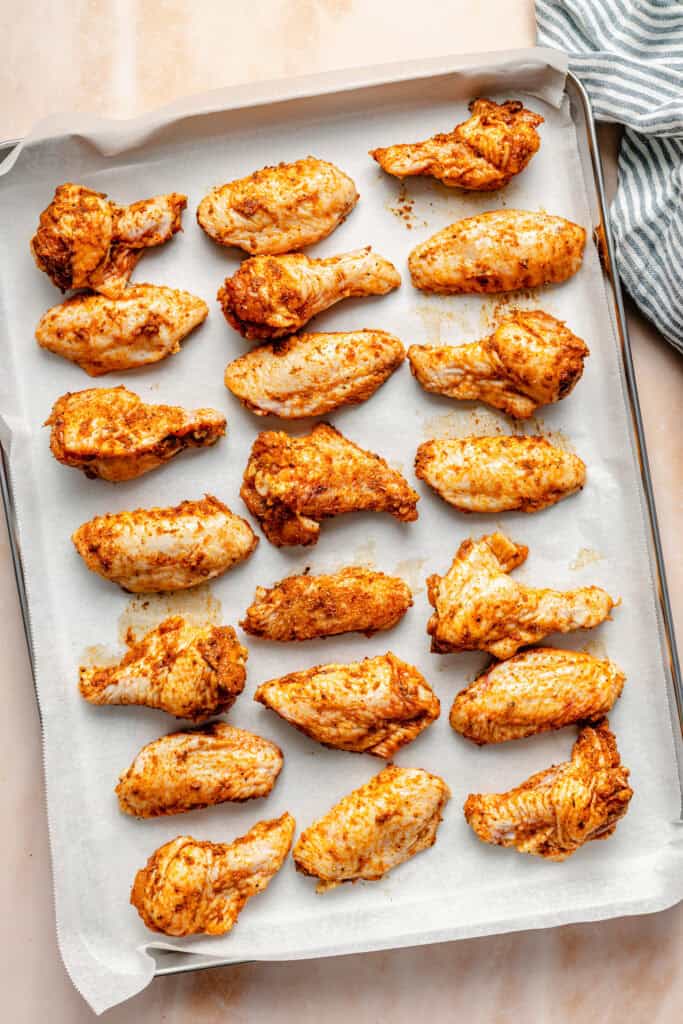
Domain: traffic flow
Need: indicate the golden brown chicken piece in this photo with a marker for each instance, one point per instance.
(499, 473)
(146, 324)
(556, 811)
(541, 689)
(186, 670)
(271, 296)
(483, 153)
(500, 251)
(279, 209)
(477, 607)
(374, 706)
(352, 600)
(188, 770)
(374, 829)
(189, 886)
(85, 241)
(531, 359)
(158, 549)
(311, 374)
(292, 483)
(112, 434)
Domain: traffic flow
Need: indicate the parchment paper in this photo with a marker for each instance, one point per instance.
(461, 887)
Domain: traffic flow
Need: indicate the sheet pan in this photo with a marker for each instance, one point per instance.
(607, 535)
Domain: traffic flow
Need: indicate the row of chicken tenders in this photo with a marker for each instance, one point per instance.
(292, 484)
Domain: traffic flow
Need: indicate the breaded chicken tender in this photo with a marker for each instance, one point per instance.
(500, 251)
(374, 706)
(531, 359)
(556, 811)
(158, 549)
(499, 473)
(292, 483)
(478, 607)
(312, 374)
(483, 153)
(279, 209)
(352, 600)
(189, 886)
(188, 770)
(374, 829)
(541, 689)
(273, 296)
(112, 434)
(186, 670)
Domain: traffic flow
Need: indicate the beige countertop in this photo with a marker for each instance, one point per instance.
(119, 57)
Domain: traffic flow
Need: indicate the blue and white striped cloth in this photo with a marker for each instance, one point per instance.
(629, 56)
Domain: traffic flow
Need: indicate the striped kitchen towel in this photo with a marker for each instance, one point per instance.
(629, 56)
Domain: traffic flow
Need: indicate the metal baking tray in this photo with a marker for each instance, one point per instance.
(175, 962)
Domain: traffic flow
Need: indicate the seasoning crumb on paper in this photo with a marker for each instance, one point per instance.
(584, 557)
(145, 611)
(403, 207)
(494, 310)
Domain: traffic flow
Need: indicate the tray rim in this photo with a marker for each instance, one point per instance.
(346, 80)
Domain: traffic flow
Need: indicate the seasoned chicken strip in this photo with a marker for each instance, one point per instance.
(187, 770)
(311, 374)
(499, 473)
(374, 706)
(374, 829)
(189, 886)
(158, 549)
(352, 600)
(531, 359)
(541, 689)
(186, 670)
(111, 433)
(85, 241)
(105, 335)
(477, 607)
(279, 209)
(483, 153)
(500, 251)
(292, 483)
(271, 296)
(556, 811)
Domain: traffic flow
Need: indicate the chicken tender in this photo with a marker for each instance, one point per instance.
(112, 434)
(353, 600)
(189, 886)
(292, 483)
(272, 296)
(312, 374)
(186, 670)
(556, 811)
(533, 692)
(279, 209)
(188, 770)
(500, 251)
(85, 241)
(374, 829)
(146, 324)
(159, 549)
(477, 607)
(531, 359)
(483, 153)
(499, 474)
(374, 706)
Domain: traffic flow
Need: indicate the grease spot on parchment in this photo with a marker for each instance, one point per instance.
(365, 555)
(412, 571)
(145, 611)
(494, 309)
(584, 557)
(435, 316)
(100, 655)
(596, 647)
